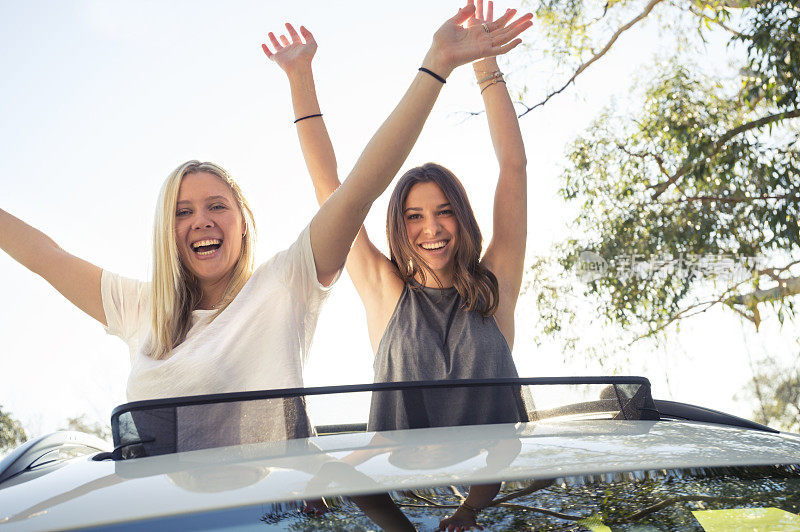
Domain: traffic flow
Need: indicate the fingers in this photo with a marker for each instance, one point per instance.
(471, 21)
(274, 42)
(504, 35)
(490, 12)
(502, 21)
(266, 51)
(463, 14)
(293, 34)
(306, 34)
(500, 50)
(479, 10)
(284, 40)
(521, 20)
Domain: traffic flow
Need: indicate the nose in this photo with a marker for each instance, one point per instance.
(202, 221)
(432, 227)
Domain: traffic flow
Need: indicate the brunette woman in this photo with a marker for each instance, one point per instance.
(435, 309)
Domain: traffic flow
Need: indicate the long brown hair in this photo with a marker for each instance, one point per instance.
(476, 284)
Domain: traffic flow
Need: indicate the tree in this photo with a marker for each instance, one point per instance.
(778, 393)
(80, 424)
(688, 196)
(11, 431)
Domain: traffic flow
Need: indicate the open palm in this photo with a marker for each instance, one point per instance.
(459, 45)
(294, 54)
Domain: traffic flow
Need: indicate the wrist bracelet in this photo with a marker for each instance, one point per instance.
(309, 116)
(493, 75)
(437, 77)
(493, 83)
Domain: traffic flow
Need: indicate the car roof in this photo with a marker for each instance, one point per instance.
(87, 493)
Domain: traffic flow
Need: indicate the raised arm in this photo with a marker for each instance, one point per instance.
(336, 224)
(505, 254)
(294, 57)
(76, 279)
(366, 264)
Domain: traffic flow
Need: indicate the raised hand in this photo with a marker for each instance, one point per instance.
(292, 55)
(455, 45)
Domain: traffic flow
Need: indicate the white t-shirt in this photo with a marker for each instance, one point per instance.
(260, 341)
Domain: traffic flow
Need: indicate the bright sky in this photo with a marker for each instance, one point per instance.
(102, 99)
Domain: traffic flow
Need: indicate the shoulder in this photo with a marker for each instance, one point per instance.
(287, 258)
(116, 286)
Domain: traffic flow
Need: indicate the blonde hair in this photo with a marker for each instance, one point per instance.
(175, 292)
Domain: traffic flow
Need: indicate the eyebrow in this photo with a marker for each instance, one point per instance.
(420, 208)
(210, 198)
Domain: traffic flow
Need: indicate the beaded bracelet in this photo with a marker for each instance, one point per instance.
(492, 75)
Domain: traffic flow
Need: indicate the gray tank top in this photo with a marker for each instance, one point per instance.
(431, 336)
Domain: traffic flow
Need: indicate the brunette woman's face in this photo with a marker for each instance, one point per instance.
(208, 227)
(432, 227)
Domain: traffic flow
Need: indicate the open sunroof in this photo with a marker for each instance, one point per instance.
(162, 426)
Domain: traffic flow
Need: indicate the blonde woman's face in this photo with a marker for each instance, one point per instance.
(208, 227)
(431, 226)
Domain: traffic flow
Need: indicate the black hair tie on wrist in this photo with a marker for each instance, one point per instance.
(437, 77)
(309, 116)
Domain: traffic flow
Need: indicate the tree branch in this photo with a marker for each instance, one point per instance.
(723, 199)
(667, 502)
(649, 7)
(786, 287)
(774, 273)
(714, 147)
(535, 486)
(683, 313)
(545, 511)
(657, 159)
(715, 21)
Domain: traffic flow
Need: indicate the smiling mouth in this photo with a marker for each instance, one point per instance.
(206, 247)
(434, 246)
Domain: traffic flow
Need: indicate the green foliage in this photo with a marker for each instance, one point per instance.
(773, 46)
(571, 26)
(693, 166)
(661, 183)
(777, 392)
(11, 432)
(701, 167)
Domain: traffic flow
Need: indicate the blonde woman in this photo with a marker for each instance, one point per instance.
(208, 322)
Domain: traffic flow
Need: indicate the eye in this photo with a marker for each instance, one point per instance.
(413, 216)
(446, 212)
(218, 207)
(183, 212)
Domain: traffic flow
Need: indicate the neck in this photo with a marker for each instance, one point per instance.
(212, 293)
(445, 279)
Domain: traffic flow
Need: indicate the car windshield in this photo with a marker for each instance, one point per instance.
(697, 499)
(150, 428)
